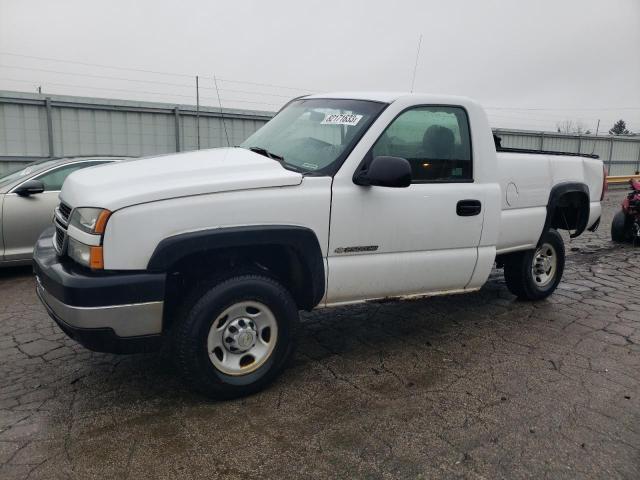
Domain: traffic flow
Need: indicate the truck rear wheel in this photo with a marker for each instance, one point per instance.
(236, 336)
(619, 228)
(535, 274)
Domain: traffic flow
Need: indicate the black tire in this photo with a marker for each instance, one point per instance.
(519, 275)
(619, 228)
(199, 313)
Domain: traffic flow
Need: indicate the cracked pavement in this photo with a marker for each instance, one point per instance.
(469, 386)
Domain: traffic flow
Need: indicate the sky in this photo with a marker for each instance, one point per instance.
(532, 64)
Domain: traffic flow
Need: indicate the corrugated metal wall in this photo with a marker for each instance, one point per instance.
(620, 154)
(93, 126)
(23, 130)
(88, 132)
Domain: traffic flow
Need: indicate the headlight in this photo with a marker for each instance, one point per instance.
(90, 220)
(80, 252)
(87, 255)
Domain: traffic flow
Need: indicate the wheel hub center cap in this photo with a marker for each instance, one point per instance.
(245, 339)
(240, 335)
(543, 264)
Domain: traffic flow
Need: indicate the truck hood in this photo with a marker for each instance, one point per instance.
(149, 179)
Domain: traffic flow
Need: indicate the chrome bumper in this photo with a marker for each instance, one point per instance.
(130, 320)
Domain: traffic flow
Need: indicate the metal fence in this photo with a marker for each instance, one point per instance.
(620, 154)
(34, 126)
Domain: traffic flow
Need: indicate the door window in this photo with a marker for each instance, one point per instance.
(434, 139)
(54, 179)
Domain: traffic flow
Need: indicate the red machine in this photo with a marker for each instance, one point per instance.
(626, 223)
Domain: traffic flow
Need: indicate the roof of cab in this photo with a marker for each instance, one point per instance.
(385, 97)
(390, 97)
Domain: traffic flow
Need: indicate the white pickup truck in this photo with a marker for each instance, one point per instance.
(340, 198)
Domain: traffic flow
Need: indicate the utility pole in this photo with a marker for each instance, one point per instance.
(198, 109)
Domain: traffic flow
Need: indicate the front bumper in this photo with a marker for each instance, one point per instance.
(117, 312)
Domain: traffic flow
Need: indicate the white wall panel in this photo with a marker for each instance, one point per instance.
(23, 130)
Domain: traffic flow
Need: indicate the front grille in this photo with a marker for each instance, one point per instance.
(65, 211)
(59, 239)
(61, 221)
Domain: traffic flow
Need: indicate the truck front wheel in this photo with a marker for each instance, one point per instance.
(535, 274)
(236, 335)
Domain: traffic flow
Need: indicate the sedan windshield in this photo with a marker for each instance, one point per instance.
(24, 172)
(314, 135)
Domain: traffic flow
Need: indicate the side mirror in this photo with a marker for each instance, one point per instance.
(30, 187)
(392, 172)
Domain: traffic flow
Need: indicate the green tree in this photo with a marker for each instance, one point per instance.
(619, 128)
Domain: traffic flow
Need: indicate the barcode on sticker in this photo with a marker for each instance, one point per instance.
(341, 119)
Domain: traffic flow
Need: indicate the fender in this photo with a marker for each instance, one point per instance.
(554, 198)
(303, 241)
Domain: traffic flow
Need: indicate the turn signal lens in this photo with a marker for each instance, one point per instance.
(101, 222)
(96, 261)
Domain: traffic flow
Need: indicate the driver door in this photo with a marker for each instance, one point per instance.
(388, 242)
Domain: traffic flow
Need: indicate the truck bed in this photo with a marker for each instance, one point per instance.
(525, 183)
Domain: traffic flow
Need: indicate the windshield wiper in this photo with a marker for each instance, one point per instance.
(278, 158)
(267, 153)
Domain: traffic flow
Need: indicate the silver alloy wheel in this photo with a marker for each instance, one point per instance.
(545, 264)
(242, 338)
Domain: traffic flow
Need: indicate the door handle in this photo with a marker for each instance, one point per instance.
(468, 208)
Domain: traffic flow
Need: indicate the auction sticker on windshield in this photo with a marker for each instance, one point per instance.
(341, 119)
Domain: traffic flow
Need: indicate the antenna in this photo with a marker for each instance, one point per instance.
(198, 109)
(415, 67)
(224, 124)
(595, 139)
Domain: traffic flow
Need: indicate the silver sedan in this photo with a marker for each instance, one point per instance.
(28, 198)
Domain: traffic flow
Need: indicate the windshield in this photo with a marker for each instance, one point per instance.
(25, 171)
(315, 135)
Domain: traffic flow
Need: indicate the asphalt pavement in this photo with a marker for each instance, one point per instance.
(466, 386)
